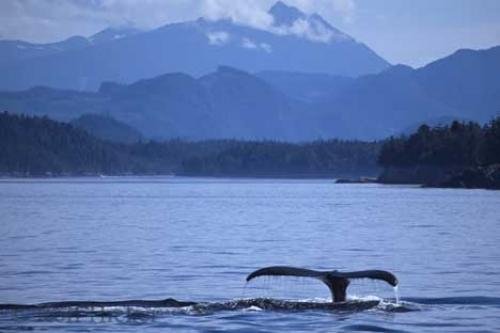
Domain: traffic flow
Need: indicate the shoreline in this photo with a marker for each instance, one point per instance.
(318, 176)
(338, 180)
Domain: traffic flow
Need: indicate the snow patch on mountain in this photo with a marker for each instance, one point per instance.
(248, 43)
(218, 38)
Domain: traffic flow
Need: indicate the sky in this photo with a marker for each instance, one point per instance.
(412, 32)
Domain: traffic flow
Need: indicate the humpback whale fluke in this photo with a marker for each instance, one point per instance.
(336, 281)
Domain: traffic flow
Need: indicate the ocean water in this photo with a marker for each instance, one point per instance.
(195, 239)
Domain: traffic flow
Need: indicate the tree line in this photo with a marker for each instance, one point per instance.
(38, 146)
(458, 145)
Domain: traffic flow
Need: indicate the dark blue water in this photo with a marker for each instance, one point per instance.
(196, 240)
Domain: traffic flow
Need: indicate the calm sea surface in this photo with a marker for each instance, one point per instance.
(195, 239)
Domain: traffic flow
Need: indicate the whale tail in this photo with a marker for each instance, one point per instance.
(336, 281)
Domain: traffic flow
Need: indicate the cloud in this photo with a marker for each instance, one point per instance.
(310, 29)
(44, 21)
(248, 43)
(255, 13)
(50, 20)
(218, 38)
(303, 28)
(244, 12)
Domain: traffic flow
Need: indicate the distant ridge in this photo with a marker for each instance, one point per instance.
(14, 51)
(107, 128)
(34, 146)
(294, 42)
(233, 104)
(284, 14)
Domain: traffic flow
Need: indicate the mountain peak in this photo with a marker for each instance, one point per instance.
(290, 20)
(284, 14)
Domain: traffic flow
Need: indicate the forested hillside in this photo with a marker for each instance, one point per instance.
(36, 146)
(458, 155)
(107, 128)
(320, 158)
(33, 146)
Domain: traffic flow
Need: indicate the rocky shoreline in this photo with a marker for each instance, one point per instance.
(480, 177)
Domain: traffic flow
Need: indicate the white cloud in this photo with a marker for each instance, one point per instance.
(248, 43)
(256, 14)
(304, 28)
(50, 20)
(218, 38)
(245, 12)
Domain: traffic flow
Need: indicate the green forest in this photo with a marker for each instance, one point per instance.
(457, 155)
(459, 144)
(39, 146)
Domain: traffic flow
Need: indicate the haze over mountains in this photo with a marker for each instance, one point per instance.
(228, 103)
(231, 103)
(293, 42)
(282, 83)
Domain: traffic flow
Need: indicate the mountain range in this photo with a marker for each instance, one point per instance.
(231, 103)
(228, 103)
(299, 79)
(295, 41)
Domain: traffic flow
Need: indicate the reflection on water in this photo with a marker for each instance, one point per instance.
(196, 239)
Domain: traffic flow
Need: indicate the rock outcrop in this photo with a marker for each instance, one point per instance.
(478, 177)
(487, 177)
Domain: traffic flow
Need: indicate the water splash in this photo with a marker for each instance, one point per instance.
(396, 294)
(245, 290)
